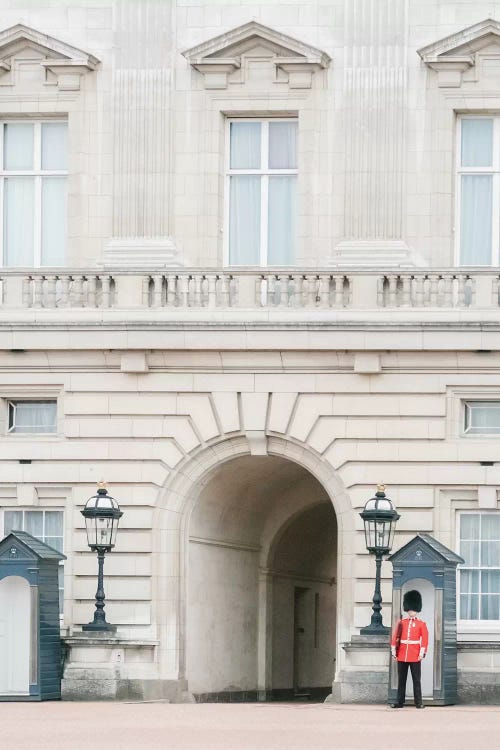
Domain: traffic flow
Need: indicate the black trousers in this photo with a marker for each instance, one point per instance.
(416, 671)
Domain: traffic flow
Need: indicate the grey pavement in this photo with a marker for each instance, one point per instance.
(259, 726)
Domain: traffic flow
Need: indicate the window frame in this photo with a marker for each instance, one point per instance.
(494, 170)
(473, 625)
(38, 174)
(23, 510)
(263, 173)
(11, 403)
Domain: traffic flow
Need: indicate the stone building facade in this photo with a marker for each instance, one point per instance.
(250, 270)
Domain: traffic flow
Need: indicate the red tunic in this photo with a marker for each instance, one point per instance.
(414, 639)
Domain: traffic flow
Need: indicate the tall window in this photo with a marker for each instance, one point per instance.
(478, 190)
(33, 179)
(262, 192)
(480, 575)
(45, 525)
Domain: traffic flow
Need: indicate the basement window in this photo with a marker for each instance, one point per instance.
(32, 416)
(482, 418)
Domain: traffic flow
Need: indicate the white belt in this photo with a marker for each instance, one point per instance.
(410, 642)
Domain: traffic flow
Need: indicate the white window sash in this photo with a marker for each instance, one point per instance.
(494, 171)
(473, 625)
(265, 172)
(37, 173)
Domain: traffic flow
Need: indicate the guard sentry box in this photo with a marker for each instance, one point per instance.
(30, 639)
(428, 566)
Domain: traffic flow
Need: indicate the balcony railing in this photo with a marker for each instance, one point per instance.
(195, 289)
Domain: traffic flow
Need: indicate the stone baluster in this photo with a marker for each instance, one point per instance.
(448, 289)
(197, 279)
(50, 298)
(406, 291)
(26, 291)
(271, 290)
(461, 278)
(106, 291)
(212, 290)
(78, 291)
(64, 291)
(157, 290)
(419, 290)
(225, 300)
(324, 291)
(183, 284)
(311, 291)
(338, 293)
(393, 285)
(91, 291)
(259, 282)
(171, 290)
(283, 290)
(433, 289)
(296, 291)
(38, 291)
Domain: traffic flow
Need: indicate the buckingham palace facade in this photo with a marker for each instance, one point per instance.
(250, 270)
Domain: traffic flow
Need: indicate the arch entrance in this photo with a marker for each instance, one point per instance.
(261, 583)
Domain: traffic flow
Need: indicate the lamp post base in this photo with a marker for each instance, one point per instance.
(99, 627)
(375, 630)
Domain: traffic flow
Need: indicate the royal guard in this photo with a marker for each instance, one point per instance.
(409, 646)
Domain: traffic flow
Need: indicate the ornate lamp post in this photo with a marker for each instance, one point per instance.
(102, 515)
(380, 518)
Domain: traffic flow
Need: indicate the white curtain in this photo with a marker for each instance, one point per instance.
(18, 146)
(54, 210)
(33, 523)
(469, 595)
(477, 142)
(475, 219)
(283, 145)
(12, 521)
(54, 145)
(244, 220)
(34, 416)
(54, 529)
(282, 220)
(19, 210)
(245, 145)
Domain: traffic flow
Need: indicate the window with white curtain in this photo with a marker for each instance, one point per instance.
(33, 183)
(32, 416)
(261, 192)
(478, 190)
(479, 577)
(482, 418)
(45, 525)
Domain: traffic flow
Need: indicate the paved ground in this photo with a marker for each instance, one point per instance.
(264, 726)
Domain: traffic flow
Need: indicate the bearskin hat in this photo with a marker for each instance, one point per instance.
(412, 600)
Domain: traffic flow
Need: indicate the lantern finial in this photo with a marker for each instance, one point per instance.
(381, 487)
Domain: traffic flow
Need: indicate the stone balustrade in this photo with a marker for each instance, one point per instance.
(251, 289)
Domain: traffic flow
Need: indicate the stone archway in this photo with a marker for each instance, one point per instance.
(255, 630)
(172, 531)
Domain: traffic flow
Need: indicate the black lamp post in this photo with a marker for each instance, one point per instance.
(379, 517)
(102, 515)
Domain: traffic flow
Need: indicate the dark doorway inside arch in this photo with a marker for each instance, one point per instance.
(261, 584)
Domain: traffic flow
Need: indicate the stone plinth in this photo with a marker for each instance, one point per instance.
(365, 676)
(106, 667)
